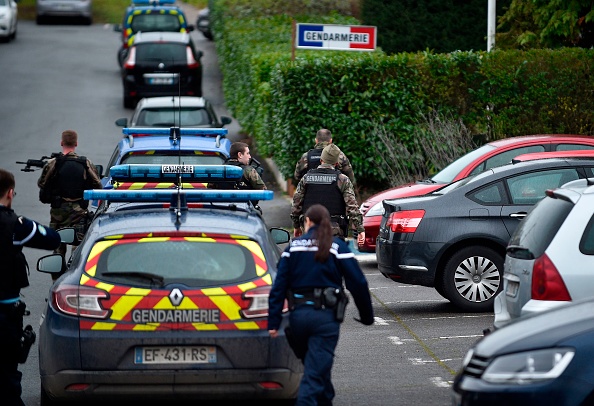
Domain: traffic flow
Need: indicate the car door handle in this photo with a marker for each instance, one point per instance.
(518, 215)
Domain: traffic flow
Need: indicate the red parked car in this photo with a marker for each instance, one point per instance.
(488, 156)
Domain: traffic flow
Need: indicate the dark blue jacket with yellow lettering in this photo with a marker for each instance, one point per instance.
(297, 269)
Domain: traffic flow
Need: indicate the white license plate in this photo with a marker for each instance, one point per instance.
(512, 288)
(177, 169)
(160, 81)
(175, 355)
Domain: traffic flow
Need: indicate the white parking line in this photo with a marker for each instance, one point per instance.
(378, 321)
(441, 383)
(420, 361)
(396, 340)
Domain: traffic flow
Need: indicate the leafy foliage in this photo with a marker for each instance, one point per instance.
(547, 24)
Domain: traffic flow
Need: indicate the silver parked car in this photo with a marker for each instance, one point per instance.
(8, 20)
(64, 8)
(550, 257)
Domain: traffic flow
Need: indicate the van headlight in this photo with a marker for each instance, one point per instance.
(529, 367)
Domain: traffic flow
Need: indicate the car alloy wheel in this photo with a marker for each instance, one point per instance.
(473, 277)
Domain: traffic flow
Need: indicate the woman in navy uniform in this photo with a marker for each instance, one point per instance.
(310, 272)
(15, 233)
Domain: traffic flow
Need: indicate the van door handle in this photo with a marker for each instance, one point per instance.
(518, 215)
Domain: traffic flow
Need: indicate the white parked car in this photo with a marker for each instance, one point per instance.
(550, 257)
(164, 111)
(8, 20)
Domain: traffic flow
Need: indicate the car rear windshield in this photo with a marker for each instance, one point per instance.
(155, 22)
(192, 261)
(161, 51)
(172, 117)
(157, 158)
(538, 229)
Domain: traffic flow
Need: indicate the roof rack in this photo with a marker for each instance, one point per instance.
(174, 133)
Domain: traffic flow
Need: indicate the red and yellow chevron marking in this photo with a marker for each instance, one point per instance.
(156, 185)
(127, 303)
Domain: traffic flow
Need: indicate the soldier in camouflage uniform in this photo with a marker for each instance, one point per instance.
(327, 186)
(67, 176)
(323, 139)
(239, 155)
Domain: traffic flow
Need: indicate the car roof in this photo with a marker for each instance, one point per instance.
(518, 167)
(539, 330)
(174, 102)
(161, 36)
(529, 138)
(187, 143)
(579, 153)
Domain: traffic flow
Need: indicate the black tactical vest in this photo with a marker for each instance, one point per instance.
(321, 188)
(14, 263)
(314, 158)
(70, 179)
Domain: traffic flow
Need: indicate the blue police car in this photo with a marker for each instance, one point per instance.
(166, 297)
(150, 16)
(162, 146)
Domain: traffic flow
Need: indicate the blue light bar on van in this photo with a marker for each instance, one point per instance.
(205, 132)
(188, 173)
(152, 2)
(166, 195)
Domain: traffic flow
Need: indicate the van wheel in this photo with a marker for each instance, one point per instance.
(472, 278)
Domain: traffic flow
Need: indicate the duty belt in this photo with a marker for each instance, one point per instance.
(320, 298)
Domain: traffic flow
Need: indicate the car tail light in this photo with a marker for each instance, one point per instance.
(258, 303)
(81, 301)
(131, 59)
(405, 221)
(192, 62)
(547, 283)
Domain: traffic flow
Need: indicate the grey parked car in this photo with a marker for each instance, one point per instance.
(454, 239)
(82, 9)
(550, 257)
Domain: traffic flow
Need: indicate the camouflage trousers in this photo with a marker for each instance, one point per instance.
(69, 214)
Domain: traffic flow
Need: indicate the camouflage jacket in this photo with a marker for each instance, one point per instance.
(250, 179)
(348, 193)
(48, 170)
(344, 165)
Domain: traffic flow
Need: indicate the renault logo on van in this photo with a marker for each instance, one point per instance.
(176, 297)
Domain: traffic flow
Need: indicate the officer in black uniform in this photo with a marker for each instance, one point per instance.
(15, 233)
(310, 275)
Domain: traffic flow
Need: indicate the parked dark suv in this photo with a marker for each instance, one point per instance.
(161, 64)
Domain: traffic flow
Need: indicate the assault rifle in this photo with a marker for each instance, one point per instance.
(37, 163)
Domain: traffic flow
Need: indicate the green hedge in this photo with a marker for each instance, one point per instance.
(282, 103)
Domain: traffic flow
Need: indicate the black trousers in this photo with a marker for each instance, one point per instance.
(11, 329)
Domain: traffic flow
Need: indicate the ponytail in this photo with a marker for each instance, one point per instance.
(320, 216)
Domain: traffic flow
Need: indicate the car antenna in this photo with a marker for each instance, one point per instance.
(175, 137)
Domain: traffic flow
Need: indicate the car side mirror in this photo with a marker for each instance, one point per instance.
(99, 169)
(225, 120)
(190, 27)
(122, 122)
(53, 264)
(280, 235)
(67, 235)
